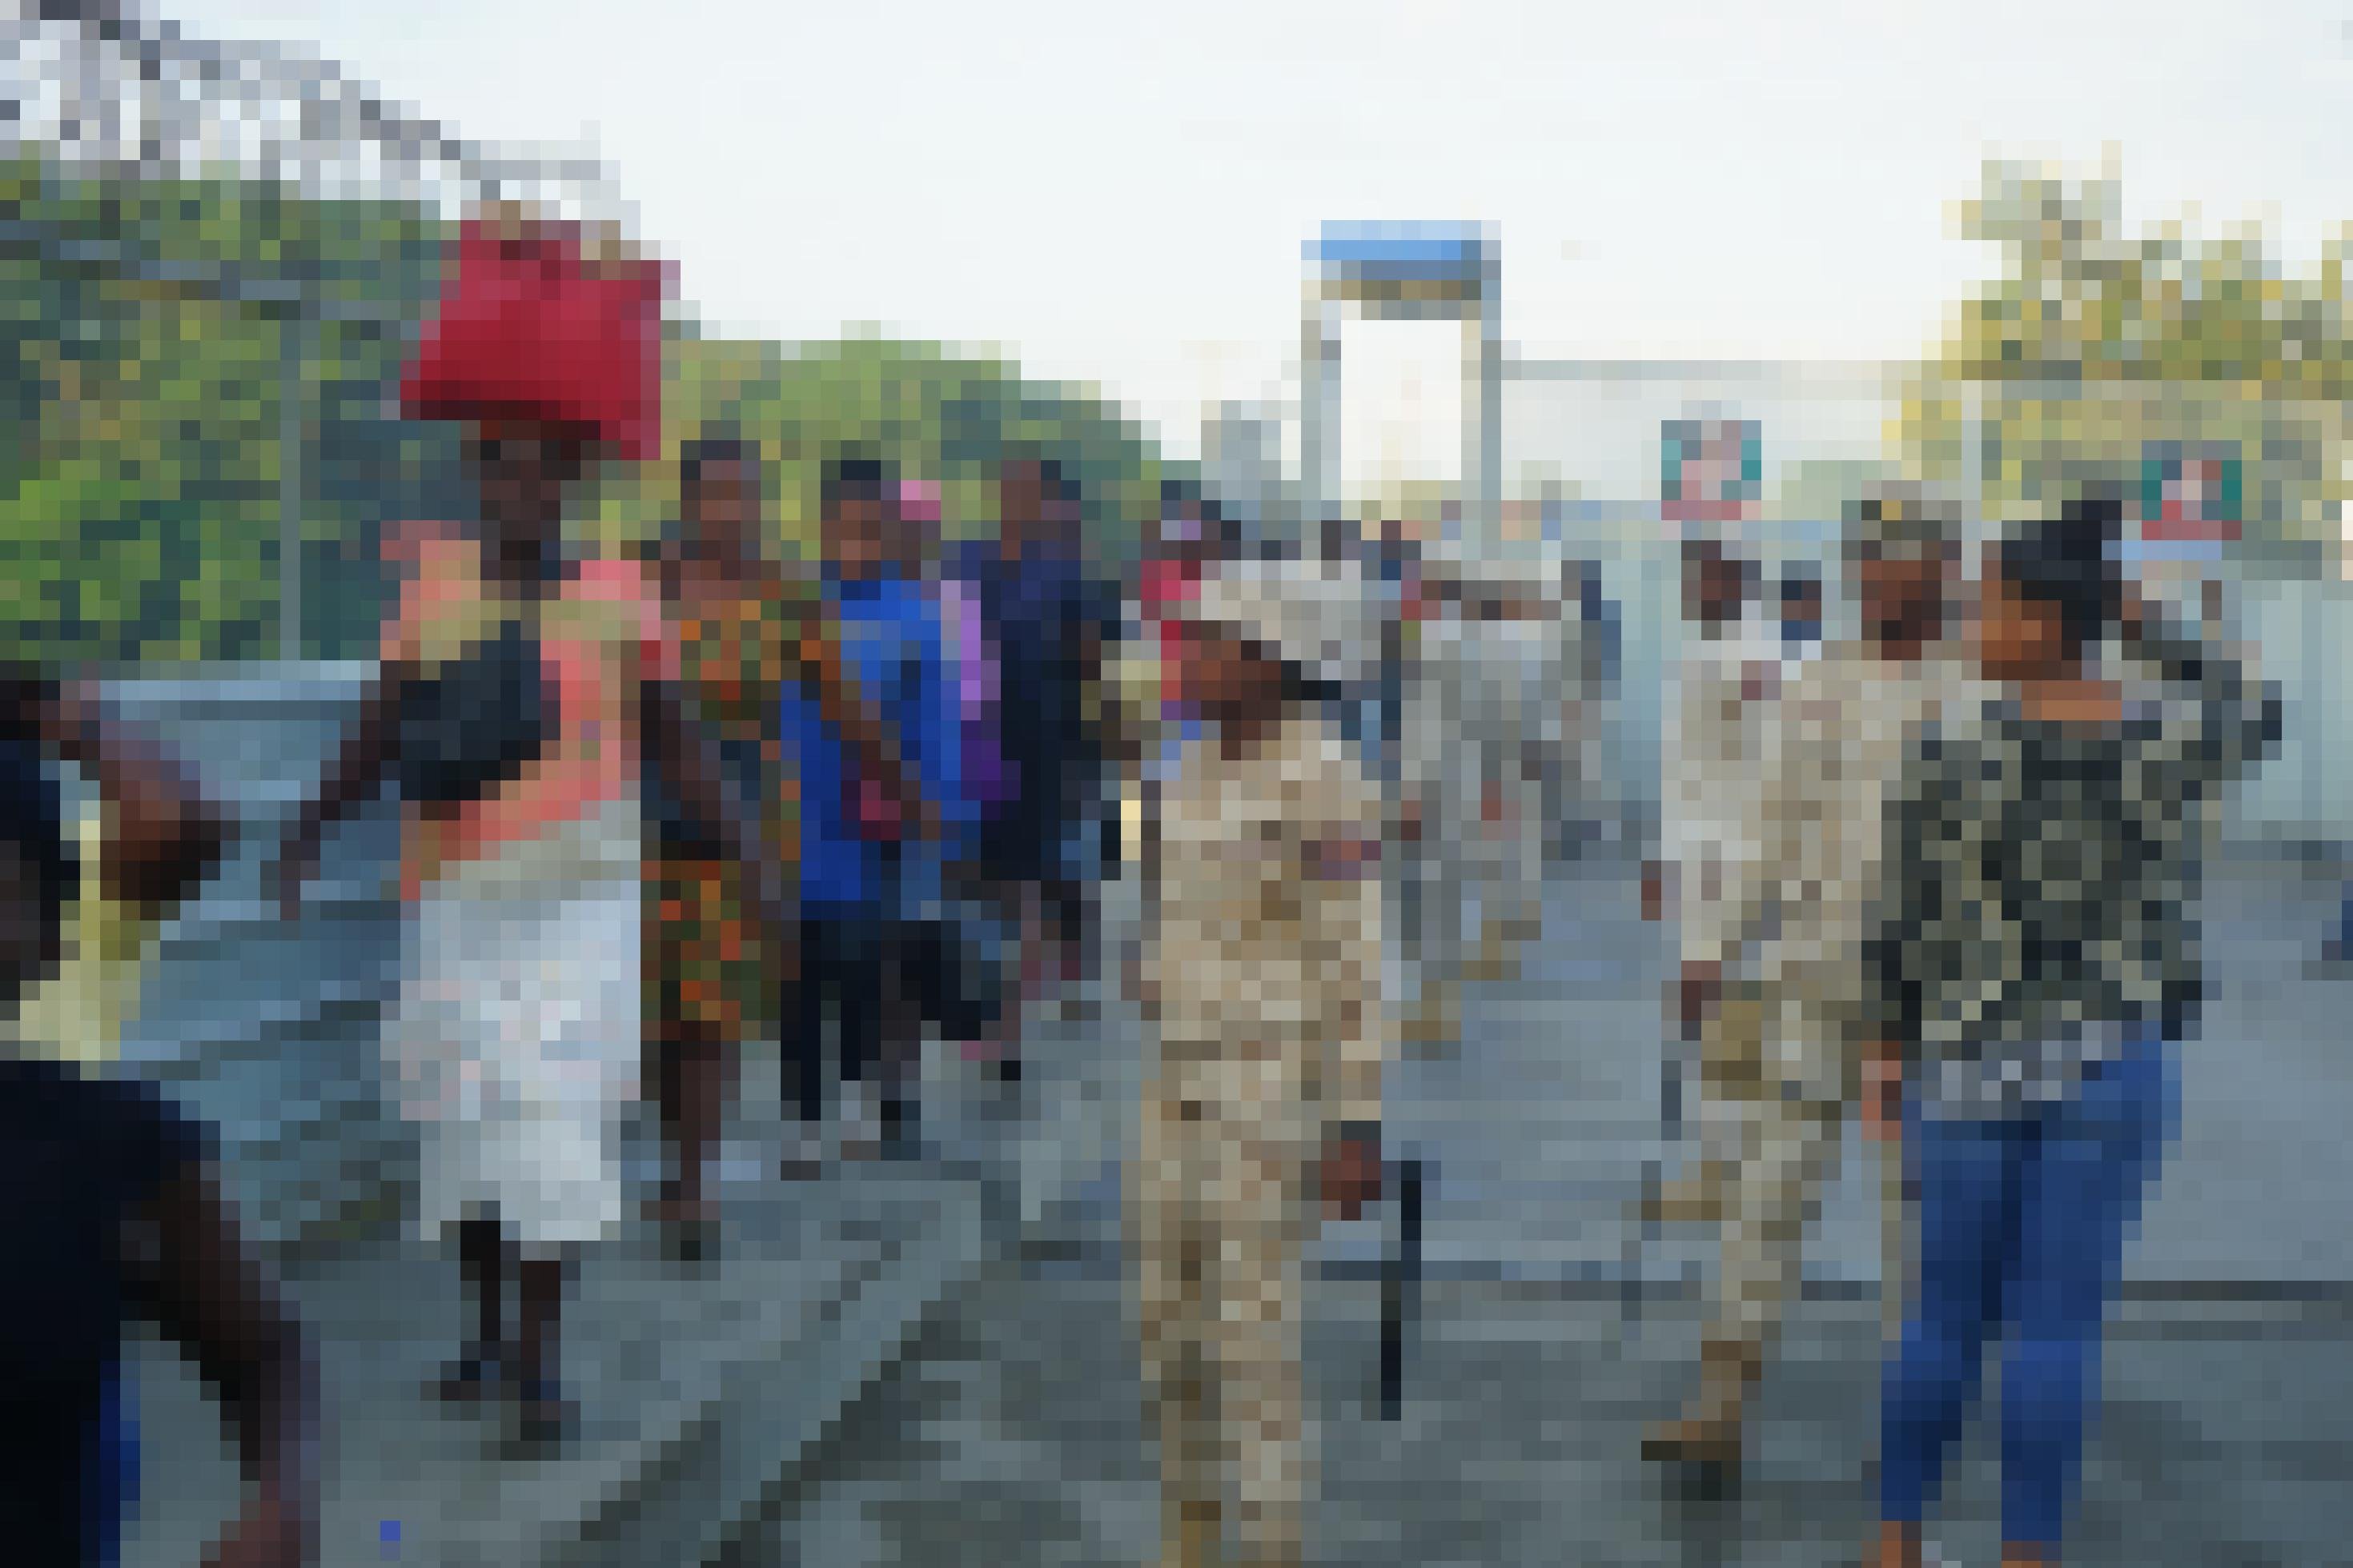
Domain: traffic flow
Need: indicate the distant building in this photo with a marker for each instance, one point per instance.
(1242, 470)
(1602, 425)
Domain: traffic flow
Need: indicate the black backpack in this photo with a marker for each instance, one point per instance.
(477, 723)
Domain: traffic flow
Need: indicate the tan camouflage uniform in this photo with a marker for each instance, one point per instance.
(1812, 888)
(1267, 981)
(1717, 747)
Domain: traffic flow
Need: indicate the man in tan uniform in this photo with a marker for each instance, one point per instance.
(1263, 974)
(1782, 969)
(1491, 754)
(1714, 753)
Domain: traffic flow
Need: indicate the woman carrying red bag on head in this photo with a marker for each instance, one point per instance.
(518, 684)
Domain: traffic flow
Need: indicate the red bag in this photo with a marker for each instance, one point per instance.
(531, 332)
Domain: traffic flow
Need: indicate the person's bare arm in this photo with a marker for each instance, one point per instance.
(2239, 713)
(370, 749)
(844, 708)
(692, 762)
(167, 837)
(1343, 856)
(1345, 850)
(1908, 894)
(1142, 988)
(193, 1275)
(1883, 1092)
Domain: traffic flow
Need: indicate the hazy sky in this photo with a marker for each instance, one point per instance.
(1118, 192)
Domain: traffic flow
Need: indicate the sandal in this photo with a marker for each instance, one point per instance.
(690, 1230)
(1712, 1445)
(546, 1416)
(471, 1378)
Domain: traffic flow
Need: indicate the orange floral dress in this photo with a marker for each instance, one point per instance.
(710, 964)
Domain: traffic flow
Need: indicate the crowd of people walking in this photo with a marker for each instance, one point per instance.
(1932, 873)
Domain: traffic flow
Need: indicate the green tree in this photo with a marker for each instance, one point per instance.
(140, 500)
(140, 513)
(2095, 341)
(933, 414)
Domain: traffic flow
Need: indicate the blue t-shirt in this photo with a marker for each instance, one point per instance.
(894, 640)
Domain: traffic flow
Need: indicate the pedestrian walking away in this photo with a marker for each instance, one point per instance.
(2030, 989)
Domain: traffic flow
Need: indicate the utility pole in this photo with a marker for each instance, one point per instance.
(297, 337)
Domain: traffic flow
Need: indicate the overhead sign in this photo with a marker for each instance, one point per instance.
(1423, 260)
(1711, 470)
(2192, 500)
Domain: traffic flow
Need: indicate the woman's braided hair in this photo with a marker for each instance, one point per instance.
(2069, 563)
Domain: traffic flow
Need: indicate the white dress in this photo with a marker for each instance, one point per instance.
(516, 1040)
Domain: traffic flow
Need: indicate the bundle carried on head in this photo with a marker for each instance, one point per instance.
(548, 324)
(919, 501)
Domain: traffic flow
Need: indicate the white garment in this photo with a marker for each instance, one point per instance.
(1460, 723)
(516, 1039)
(1561, 750)
(1718, 743)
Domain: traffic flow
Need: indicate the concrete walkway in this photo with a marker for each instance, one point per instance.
(1014, 1433)
(698, 1387)
(1014, 1430)
(882, 1371)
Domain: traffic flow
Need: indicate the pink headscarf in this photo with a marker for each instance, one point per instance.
(919, 501)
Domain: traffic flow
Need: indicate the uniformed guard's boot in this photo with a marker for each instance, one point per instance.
(1698, 1198)
(1493, 964)
(1711, 1442)
(1192, 1534)
(1436, 1024)
(1710, 1433)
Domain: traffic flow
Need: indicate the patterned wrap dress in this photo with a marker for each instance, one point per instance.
(711, 967)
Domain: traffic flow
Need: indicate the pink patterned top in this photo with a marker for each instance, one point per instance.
(602, 636)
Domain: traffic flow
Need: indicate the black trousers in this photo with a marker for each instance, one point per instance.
(841, 978)
(878, 982)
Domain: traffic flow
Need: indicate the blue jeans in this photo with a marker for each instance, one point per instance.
(2022, 1229)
